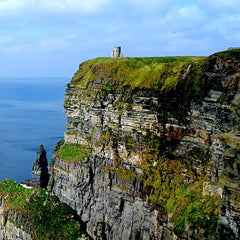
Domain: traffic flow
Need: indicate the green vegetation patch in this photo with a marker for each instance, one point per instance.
(165, 186)
(145, 72)
(189, 208)
(231, 140)
(39, 213)
(75, 124)
(74, 152)
(235, 53)
(58, 145)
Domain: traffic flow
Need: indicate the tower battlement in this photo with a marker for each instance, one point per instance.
(116, 52)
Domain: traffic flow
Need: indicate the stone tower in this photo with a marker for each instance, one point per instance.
(116, 52)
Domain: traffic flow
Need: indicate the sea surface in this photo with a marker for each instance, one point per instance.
(31, 113)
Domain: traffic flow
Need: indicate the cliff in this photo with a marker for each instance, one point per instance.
(151, 149)
(31, 214)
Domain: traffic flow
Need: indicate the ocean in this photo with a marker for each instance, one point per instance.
(31, 113)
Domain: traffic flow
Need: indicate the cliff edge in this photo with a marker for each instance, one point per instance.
(151, 149)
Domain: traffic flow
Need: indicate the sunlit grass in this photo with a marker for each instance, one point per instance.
(38, 212)
(145, 72)
(74, 152)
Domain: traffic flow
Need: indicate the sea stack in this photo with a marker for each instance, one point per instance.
(40, 168)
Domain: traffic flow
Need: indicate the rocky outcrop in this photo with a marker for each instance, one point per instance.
(40, 168)
(164, 151)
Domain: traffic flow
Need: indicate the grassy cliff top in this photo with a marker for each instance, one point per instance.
(38, 212)
(144, 72)
(234, 53)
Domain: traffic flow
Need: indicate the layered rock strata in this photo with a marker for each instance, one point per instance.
(164, 159)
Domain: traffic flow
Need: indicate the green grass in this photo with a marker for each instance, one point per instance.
(17, 195)
(234, 53)
(188, 206)
(74, 152)
(146, 72)
(75, 124)
(58, 145)
(39, 213)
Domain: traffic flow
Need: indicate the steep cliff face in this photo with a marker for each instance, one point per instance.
(223, 71)
(152, 147)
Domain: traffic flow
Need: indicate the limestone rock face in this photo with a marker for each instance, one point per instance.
(9, 231)
(165, 158)
(40, 168)
(111, 207)
(224, 74)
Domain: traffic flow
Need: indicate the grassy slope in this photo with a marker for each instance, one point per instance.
(235, 53)
(38, 212)
(142, 72)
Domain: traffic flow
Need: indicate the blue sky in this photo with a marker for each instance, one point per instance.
(49, 38)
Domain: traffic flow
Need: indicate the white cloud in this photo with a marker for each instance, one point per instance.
(186, 18)
(7, 44)
(190, 11)
(227, 26)
(70, 36)
(152, 4)
(6, 5)
(233, 4)
(10, 7)
(143, 7)
(219, 7)
(18, 48)
(53, 44)
(83, 6)
(4, 40)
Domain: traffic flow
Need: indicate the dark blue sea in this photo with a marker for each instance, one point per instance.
(31, 113)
